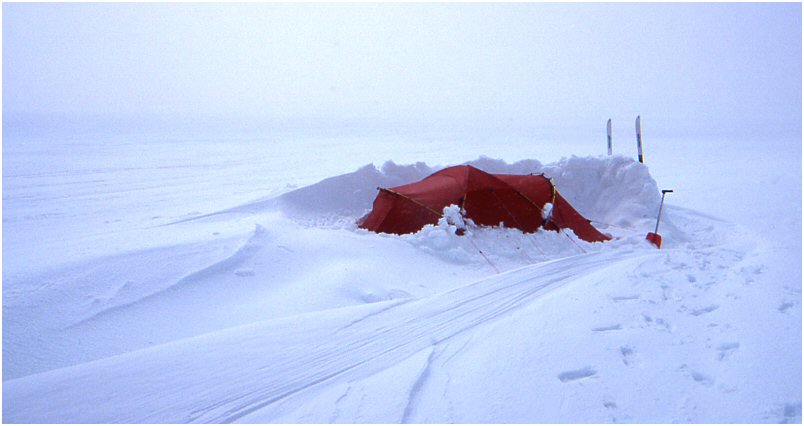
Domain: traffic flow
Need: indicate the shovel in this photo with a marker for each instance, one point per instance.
(654, 236)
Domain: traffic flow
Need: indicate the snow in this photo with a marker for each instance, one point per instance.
(177, 278)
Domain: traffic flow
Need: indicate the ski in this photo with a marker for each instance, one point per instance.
(639, 138)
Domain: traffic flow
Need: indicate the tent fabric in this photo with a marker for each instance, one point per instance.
(514, 201)
(536, 187)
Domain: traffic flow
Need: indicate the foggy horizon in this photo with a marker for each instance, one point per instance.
(710, 64)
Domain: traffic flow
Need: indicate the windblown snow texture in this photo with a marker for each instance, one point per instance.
(280, 309)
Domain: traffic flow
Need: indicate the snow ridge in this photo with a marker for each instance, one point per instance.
(229, 263)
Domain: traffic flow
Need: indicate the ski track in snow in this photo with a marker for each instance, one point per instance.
(415, 391)
(427, 322)
(375, 342)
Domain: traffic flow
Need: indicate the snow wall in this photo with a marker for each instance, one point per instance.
(607, 190)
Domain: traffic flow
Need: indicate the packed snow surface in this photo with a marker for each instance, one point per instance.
(203, 282)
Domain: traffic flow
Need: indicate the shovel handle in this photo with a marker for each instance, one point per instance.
(659, 217)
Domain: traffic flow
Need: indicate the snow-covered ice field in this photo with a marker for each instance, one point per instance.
(219, 277)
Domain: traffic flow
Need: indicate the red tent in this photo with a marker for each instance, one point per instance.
(516, 201)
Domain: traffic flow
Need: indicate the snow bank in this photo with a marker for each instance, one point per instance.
(615, 190)
(497, 249)
(609, 190)
(349, 195)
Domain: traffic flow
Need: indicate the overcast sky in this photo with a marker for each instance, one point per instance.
(387, 61)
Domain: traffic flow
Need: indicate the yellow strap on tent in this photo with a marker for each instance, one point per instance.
(555, 191)
(411, 200)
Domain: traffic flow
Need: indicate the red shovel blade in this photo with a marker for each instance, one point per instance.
(655, 239)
